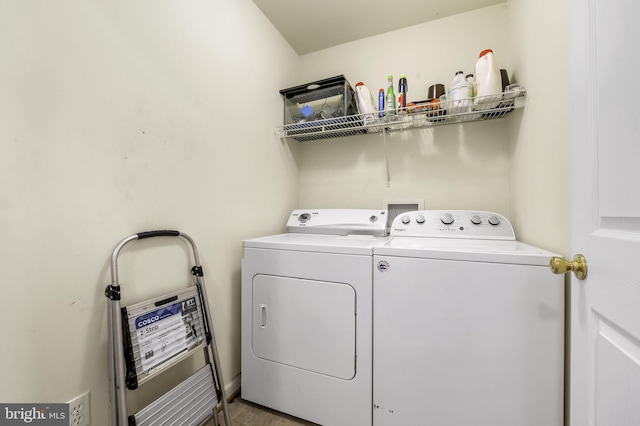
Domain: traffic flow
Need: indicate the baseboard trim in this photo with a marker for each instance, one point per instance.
(232, 388)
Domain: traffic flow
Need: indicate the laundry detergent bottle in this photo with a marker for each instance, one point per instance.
(365, 103)
(488, 85)
(460, 91)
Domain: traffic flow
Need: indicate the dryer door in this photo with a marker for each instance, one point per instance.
(305, 324)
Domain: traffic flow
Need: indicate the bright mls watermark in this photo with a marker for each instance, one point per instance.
(34, 414)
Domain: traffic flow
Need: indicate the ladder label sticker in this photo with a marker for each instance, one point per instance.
(189, 305)
(166, 332)
(160, 314)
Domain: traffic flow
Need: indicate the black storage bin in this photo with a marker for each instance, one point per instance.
(320, 106)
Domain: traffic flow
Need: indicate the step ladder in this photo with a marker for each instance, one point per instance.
(147, 338)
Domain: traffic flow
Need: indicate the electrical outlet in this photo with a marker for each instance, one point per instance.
(79, 414)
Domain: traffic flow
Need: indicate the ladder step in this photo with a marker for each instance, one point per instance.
(192, 402)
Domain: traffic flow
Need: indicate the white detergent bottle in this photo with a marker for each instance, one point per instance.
(365, 103)
(488, 86)
(460, 91)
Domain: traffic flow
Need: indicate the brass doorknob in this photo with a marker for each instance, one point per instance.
(559, 265)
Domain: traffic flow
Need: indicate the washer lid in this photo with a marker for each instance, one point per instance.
(338, 244)
(493, 251)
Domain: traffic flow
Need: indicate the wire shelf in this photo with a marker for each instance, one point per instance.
(415, 116)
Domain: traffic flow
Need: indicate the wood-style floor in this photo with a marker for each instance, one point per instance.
(244, 413)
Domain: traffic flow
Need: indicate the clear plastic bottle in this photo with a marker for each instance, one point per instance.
(391, 97)
(488, 86)
(472, 84)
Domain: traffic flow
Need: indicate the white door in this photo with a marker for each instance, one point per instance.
(605, 127)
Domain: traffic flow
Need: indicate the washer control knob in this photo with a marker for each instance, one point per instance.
(476, 219)
(447, 218)
(494, 220)
(420, 219)
(304, 217)
(406, 220)
(373, 219)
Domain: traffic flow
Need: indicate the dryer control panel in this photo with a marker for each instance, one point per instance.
(471, 224)
(338, 222)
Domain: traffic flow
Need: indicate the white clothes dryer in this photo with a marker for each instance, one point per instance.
(307, 316)
(468, 325)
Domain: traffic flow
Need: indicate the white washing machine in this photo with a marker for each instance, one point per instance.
(468, 325)
(307, 316)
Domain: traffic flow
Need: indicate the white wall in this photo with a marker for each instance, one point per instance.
(539, 148)
(452, 167)
(119, 117)
(517, 166)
